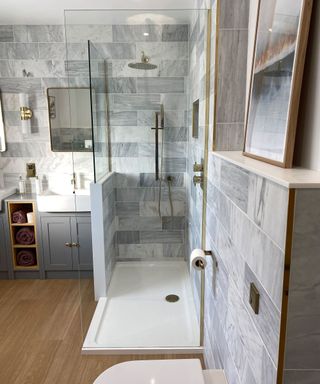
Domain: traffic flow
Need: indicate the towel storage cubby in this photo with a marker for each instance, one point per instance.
(23, 235)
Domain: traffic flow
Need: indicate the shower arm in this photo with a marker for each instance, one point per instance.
(157, 128)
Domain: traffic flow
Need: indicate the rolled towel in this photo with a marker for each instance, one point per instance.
(19, 217)
(25, 236)
(26, 258)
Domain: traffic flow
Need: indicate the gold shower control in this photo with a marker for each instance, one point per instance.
(197, 180)
(197, 167)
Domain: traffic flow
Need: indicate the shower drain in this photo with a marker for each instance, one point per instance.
(172, 298)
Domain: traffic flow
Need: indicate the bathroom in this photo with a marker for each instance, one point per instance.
(159, 215)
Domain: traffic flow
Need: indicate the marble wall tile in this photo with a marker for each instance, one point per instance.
(128, 208)
(6, 33)
(128, 237)
(12, 85)
(303, 331)
(173, 68)
(126, 118)
(231, 105)
(44, 33)
(268, 207)
(229, 137)
(234, 182)
(140, 251)
(116, 50)
(173, 223)
(136, 102)
(151, 208)
(301, 376)
(160, 84)
(175, 134)
(163, 51)
(161, 237)
(234, 14)
(124, 150)
(84, 32)
(140, 223)
(267, 321)
(55, 51)
(22, 51)
(122, 85)
(172, 32)
(174, 102)
(77, 68)
(148, 179)
(135, 33)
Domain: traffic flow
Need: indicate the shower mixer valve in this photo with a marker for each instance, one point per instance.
(198, 179)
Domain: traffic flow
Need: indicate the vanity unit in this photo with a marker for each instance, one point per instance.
(62, 241)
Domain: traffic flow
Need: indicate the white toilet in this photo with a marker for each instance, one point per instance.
(187, 371)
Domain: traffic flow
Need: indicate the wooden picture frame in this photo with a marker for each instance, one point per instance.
(281, 38)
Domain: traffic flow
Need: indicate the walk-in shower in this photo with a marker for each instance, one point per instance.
(144, 70)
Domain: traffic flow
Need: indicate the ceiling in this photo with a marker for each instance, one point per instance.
(52, 11)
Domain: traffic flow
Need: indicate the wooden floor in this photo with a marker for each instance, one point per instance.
(40, 334)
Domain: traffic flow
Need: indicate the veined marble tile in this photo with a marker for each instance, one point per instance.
(77, 68)
(174, 102)
(163, 50)
(93, 32)
(39, 68)
(128, 237)
(148, 180)
(151, 208)
(122, 85)
(171, 32)
(124, 150)
(231, 106)
(136, 102)
(116, 50)
(160, 84)
(139, 223)
(234, 14)
(170, 150)
(304, 376)
(229, 137)
(45, 33)
(268, 319)
(174, 119)
(127, 180)
(173, 250)
(135, 33)
(127, 118)
(135, 194)
(132, 164)
(268, 207)
(74, 51)
(54, 51)
(173, 223)
(12, 85)
(6, 33)
(22, 51)
(127, 209)
(161, 237)
(173, 68)
(140, 251)
(264, 258)
(234, 182)
(174, 164)
(131, 134)
(7, 68)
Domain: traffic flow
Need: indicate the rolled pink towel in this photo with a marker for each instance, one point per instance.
(19, 217)
(25, 236)
(26, 258)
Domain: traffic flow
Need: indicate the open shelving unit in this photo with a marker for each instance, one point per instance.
(26, 206)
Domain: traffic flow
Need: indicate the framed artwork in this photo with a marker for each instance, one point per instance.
(279, 52)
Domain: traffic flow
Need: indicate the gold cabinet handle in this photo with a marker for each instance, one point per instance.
(68, 245)
(77, 245)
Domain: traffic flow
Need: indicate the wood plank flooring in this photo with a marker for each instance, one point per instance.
(41, 334)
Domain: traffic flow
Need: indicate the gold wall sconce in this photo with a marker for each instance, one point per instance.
(25, 113)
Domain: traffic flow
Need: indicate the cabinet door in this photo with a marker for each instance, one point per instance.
(81, 233)
(55, 231)
(3, 245)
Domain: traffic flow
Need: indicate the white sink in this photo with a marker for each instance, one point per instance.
(4, 193)
(68, 202)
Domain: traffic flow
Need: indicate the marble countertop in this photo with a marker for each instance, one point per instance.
(21, 197)
(298, 178)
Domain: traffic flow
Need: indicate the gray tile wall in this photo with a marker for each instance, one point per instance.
(133, 97)
(40, 50)
(246, 227)
(302, 364)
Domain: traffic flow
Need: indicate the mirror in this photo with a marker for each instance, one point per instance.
(70, 131)
(2, 133)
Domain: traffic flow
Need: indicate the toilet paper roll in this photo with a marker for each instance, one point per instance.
(198, 259)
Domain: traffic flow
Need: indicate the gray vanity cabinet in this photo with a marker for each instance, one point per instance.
(57, 230)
